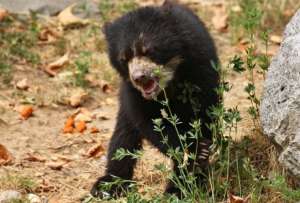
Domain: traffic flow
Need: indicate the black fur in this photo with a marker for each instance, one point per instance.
(169, 30)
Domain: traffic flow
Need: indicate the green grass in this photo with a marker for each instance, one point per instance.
(110, 9)
(17, 182)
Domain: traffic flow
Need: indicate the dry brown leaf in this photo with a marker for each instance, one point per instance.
(81, 126)
(77, 98)
(83, 117)
(3, 14)
(68, 129)
(220, 18)
(45, 186)
(236, 199)
(277, 39)
(67, 18)
(53, 67)
(65, 158)
(34, 158)
(69, 125)
(5, 157)
(48, 35)
(96, 151)
(94, 130)
(106, 88)
(56, 165)
(104, 118)
(22, 84)
(288, 13)
(26, 112)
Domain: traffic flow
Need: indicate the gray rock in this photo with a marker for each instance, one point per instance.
(47, 7)
(9, 195)
(280, 105)
(84, 8)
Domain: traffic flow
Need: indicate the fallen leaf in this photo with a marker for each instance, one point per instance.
(34, 158)
(77, 98)
(237, 199)
(104, 118)
(83, 115)
(94, 130)
(48, 35)
(277, 39)
(3, 14)
(45, 186)
(81, 126)
(70, 121)
(109, 101)
(65, 158)
(220, 18)
(96, 151)
(56, 165)
(5, 157)
(67, 18)
(69, 125)
(22, 84)
(26, 112)
(53, 67)
(106, 88)
(242, 45)
(288, 13)
(68, 129)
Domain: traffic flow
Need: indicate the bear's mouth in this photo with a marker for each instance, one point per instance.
(150, 88)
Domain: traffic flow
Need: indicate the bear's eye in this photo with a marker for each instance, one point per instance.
(125, 56)
(122, 58)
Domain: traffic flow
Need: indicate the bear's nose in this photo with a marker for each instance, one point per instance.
(140, 78)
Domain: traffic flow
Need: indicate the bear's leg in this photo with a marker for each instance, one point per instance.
(127, 137)
(198, 167)
(171, 187)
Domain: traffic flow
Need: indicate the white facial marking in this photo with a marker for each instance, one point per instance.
(158, 73)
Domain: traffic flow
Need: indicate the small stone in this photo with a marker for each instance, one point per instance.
(8, 195)
(33, 198)
(22, 84)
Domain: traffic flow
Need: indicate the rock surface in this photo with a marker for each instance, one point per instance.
(51, 7)
(280, 105)
(9, 195)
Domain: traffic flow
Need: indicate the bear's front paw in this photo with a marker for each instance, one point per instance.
(105, 187)
(173, 190)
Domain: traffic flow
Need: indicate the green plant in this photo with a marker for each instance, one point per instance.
(250, 23)
(109, 9)
(5, 71)
(82, 66)
(17, 182)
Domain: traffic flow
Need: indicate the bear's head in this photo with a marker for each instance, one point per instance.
(146, 47)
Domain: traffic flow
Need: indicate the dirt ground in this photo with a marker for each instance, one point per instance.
(57, 161)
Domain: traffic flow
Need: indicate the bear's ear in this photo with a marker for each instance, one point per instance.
(106, 27)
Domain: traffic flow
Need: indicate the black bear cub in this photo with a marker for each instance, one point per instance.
(157, 51)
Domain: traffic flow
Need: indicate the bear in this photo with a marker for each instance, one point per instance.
(157, 50)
